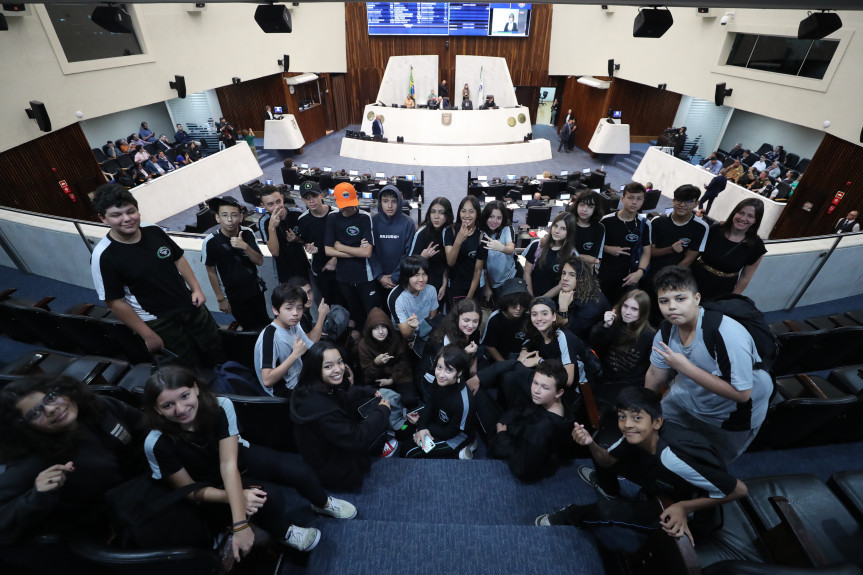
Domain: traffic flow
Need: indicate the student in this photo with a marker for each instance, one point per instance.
(350, 238)
(394, 232)
(231, 256)
(529, 438)
(725, 399)
(588, 209)
(144, 279)
(465, 253)
(314, 329)
(675, 239)
(385, 359)
(428, 243)
(622, 339)
(504, 331)
(545, 338)
(333, 437)
(63, 447)
(312, 229)
(416, 301)
(626, 254)
(542, 257)
(665, 460)
(580, 300)
(277, 231)
(195, 437)
(281, 345)
(499, 241)
(448, 417)
(460, 328)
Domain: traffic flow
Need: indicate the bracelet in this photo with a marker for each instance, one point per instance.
(221, 300)
(643, 270)
(238, 523)
(564, 314)
(238, 529)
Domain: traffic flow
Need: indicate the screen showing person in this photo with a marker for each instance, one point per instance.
(277, 109)
(509, 20)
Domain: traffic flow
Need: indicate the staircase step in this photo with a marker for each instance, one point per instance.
(385, 547)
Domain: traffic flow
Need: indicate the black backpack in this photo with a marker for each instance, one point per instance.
(743, 310)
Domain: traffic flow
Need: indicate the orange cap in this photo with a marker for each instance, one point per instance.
(345, 195)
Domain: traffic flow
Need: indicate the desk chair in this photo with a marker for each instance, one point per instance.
(538, 217)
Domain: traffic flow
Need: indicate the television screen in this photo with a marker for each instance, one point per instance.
(328, 169)
(585, 171)
(380, 175)
(448, 19)
(277, 109)
(489, 199)
(616, 114)
(367, 195)
(304, 166)
(510, 177)
(410, 177)
(482, 178)
(564, 173)
(525, 197)
(353, 173)
(564, 196)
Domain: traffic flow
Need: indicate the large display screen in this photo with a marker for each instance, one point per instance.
(448, 19)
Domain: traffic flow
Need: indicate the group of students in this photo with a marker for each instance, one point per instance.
(515, 383)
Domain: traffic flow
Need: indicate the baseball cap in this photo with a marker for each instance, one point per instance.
(309, 187)
(216, 203)
(345, 195)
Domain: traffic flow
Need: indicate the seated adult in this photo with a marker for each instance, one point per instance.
(183, 137)
(761, 164)
(777, 154)
(713, 165)
(146, 133)
(734, 171)
(135, 141)
(143, 156)
(163, 162)
(409, 102)
(433, 102)
(737, 151)
(536, 201)
(488, 104)
(467, 104)
(775, 171)
(193, 154)
(792, 178)
(760, 182)
(63, 448)
(124, 146)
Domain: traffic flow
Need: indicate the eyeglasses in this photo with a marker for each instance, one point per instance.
(229, 216)
(683, 202)
(37, 412)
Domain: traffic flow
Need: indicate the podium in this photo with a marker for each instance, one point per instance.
(610, 138)
(283, 134)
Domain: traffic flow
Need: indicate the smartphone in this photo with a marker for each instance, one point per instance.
(366, 408)
(417, 410)
(169, 353)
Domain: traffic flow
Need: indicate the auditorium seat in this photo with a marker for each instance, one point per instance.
(170, 561)
(99, 155)
(239, 346)
(265, 421)
(651, 200)
(111, 166)
(848, 486)
(802, 165)
(131, 344)
(126, 162)
(791, 161)
(550, 188)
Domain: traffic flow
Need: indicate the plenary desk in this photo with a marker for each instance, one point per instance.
(283, 134)
(451, 127)
(667, 173)
(610, 138)
(190, 185)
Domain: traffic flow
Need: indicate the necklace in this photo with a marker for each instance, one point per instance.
(633, 228)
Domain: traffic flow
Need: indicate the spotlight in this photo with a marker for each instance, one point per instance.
(721, 93)
(113, 19)
(285, 62)
(818, 25)
(235, 80)
(179, 84)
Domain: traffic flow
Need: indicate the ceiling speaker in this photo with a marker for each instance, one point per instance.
(818, 25)
(651, 23)
(37, 112)
(113, 19)
(273, 19)
(720, 94)
(179, 84)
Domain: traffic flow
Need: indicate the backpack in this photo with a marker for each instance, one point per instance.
(741, 309)
(234, 378)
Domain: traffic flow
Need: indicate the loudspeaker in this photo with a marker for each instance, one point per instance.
(720, 93)
(818, 25)
(3, 24)
(113, 19)
(612, 67)
(285, 62)
(651, 23)
(235, 80)
(37, 112)
(273, 19)
(179, 84)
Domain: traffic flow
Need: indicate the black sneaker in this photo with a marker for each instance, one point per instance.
(588, 474)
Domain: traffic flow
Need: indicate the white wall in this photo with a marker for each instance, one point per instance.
(753, 130)
(121, 124)
(396, 81)
(208, 48)
(688, 58)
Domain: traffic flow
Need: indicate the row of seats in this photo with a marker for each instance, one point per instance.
(410, 186)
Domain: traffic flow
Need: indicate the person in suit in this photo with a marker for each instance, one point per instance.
(573, 126)
(848, 224)
(536, 202)
(378, 127)
(511, 25)
(467, 104)
(563, 138)
(269, 114)
(443, 89)
(433, 101)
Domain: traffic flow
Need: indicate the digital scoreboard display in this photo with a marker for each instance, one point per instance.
(448, 19)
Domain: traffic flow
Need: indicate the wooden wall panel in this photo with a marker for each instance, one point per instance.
(647, 110)
(588, 106)
(835, 164)
(367, 56)
(244, 104)
(31, 172)
(340, 102)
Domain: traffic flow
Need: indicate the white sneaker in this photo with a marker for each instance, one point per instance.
(302, 538)
(336, 508)
(466, 453)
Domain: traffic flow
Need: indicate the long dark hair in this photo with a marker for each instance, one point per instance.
(472, 201)
(486, 214)
(449, 327)
(313, 365)
(630, 332)
(586, 285)
(18, 438)
(752, 232)
(437, 234)
(175, 377)
(455, 357)
(568, 246)
(588, 198)
(530, 331)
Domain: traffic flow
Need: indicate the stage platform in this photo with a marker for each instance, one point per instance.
(446, 155)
